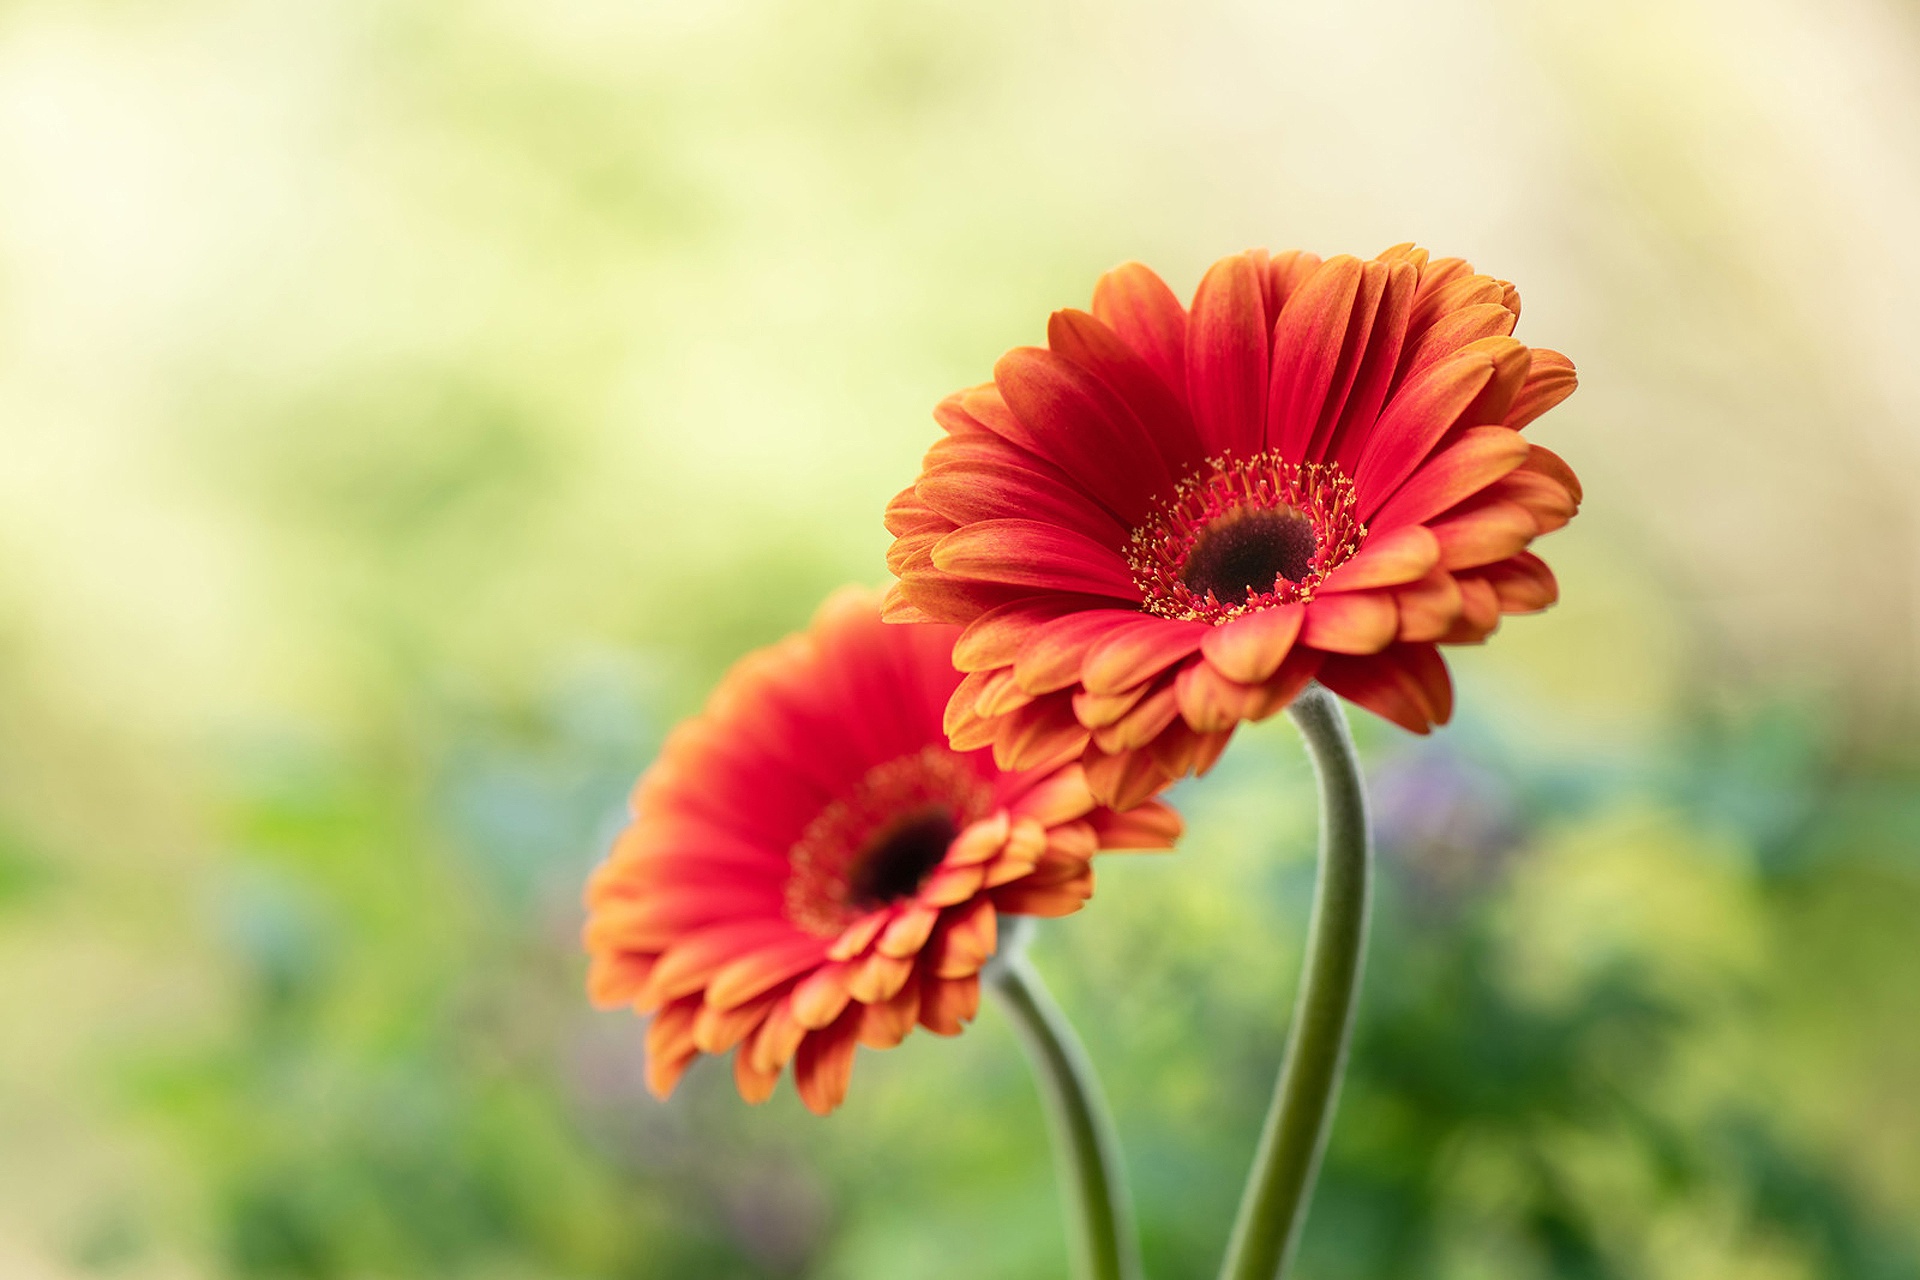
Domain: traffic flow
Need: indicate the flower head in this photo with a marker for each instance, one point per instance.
(811, 866)
(1170, 520)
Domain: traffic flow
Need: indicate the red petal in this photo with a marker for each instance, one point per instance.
(1398, 684)
(967, 492)
(1027, 553)
(1420, 413)
(1227, 333)
(1375, 378)
(1479, 457)
(1079, 425)
(1308, 339)
(1137, 305)
(1094, 347)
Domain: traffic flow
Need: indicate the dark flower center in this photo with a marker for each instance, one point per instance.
(1248, 552)
(899, 857)
(1242, 534)
(877, 841)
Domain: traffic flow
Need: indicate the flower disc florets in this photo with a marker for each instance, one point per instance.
(1244, 534)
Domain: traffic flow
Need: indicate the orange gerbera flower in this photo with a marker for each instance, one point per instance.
(810, 865)
(1170, 521)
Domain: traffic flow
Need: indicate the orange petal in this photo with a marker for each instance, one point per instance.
(1251, 647)
(1042, 736)
(1144, 723)
(823, 1068)
(615, 978)
(1061, 797)
(1126, 779)
(1389, 559)
(1351, 622)
(819, 997)
(909, 930)
(1428, 607)
(766, 967)
(1550, 379)
(1052, 655)
(1211, 703)
(1524, 584)
(1098, 710)
(1138, 651)
(754, 1085)
(967, 938)
(884, 1025)
(945, 1003)
(1421, 412)
(1387, 685)
(877, 977)
(1486, 533)
(1151, 825)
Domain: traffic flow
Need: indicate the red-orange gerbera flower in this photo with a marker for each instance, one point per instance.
(811, 866)
(1170, 521)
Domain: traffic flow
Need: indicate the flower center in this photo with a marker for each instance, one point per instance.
(1244, 534)
(878, 842)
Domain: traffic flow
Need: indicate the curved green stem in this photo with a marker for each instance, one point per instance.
(1274, 1206)
(1083, 1134)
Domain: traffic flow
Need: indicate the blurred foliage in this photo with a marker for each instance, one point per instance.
(412, 409)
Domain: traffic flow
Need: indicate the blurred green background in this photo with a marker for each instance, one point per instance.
(409, 410)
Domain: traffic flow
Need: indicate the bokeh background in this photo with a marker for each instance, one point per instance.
(410, 408)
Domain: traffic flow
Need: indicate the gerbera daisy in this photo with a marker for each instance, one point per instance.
(1168, 520)
(811, 866)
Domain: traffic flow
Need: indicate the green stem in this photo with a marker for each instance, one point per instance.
(1274, 1205)
(1084, 1141)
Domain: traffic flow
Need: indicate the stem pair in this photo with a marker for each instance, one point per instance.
(1273, 1207)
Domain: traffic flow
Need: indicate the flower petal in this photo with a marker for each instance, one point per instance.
(1078, 424)
(1251, 647)
(1138, 651)
(1429, 607)
(1308, 340)
(1420, 413)
(1389, 559)
(1550, 379)
(1351, 622)
(1092, 346)
(1028, 553)
(1479, 457)
(1227, 333)
(1487, 532)
(1137, 305)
